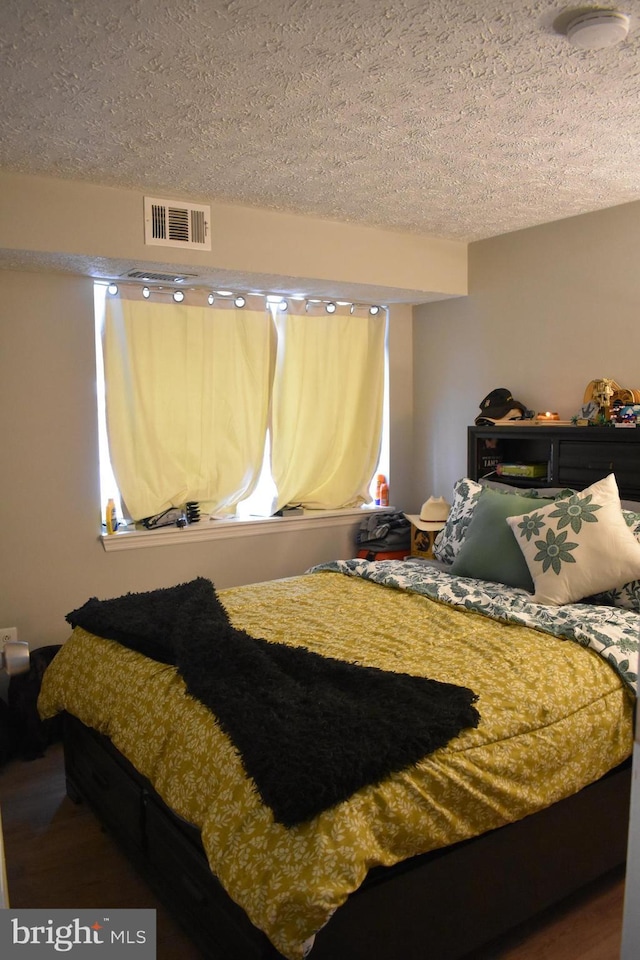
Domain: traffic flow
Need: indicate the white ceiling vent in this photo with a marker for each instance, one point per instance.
(172, 223)
(150, 276)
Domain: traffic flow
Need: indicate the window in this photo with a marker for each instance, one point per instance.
(327, 388)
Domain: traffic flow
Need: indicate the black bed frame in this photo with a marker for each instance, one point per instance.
(437, 906)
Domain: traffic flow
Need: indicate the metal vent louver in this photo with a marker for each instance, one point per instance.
(160, 277)
(172, 223)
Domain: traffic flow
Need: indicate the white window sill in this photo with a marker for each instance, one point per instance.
(234, 527)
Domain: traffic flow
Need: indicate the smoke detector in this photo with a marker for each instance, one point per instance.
(597, 29)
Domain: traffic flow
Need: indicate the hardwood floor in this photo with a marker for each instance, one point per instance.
(58, 856)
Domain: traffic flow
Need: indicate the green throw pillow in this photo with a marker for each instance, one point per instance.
(490, 550)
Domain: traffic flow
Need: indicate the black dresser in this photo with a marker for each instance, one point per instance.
(574, 456)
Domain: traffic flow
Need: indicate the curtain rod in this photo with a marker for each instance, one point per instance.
(179, 293)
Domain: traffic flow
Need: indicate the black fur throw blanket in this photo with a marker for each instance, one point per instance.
(310, 730)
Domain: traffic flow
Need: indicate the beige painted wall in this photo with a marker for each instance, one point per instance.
(50, 509)
(550, 308)
(71, 220)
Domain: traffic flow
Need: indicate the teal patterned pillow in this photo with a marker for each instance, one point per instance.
(578, 546)
(466, 494)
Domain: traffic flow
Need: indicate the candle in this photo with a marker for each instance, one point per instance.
(547, 415)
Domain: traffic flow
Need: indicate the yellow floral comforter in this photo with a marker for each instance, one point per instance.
(554, 717)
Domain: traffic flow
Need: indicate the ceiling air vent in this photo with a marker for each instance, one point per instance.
(171, 223)
(160, 277)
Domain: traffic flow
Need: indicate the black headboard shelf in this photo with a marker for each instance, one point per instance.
(575, 456)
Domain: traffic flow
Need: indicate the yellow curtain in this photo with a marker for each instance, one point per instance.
(187, 401)
(327, 407)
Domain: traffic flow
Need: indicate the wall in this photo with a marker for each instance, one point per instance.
(50, 509)
(550, 309)
(100, 231)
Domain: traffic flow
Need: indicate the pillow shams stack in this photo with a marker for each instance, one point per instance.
(466, 497)
(578, 546)
(513, 527)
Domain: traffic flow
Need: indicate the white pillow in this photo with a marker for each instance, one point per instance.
(578, 546)
(627, 596)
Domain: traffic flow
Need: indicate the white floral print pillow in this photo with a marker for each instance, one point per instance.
(466, 494)
(578, 546)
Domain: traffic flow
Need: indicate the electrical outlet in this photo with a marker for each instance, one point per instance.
(7, 634)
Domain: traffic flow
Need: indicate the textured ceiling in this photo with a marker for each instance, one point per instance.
(458, 119)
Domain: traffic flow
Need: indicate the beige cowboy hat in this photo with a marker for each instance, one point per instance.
(433, 515)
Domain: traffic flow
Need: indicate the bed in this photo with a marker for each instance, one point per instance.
(514, 811)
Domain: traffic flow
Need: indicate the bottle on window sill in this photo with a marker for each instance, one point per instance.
(380, 480)
(384, 494)
(111, 517)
